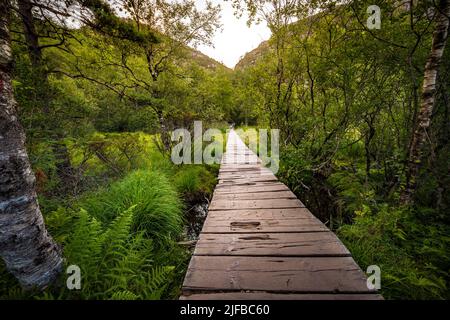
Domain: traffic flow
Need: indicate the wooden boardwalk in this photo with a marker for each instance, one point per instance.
(260, 242)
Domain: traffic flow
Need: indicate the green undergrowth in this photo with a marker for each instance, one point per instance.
(123, 229)
(158, 211)
(411, 255)
(409, 244)
(196, 182)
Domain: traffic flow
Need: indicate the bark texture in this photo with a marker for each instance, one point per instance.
(64, 168)
(31, 36)
(27, 249)
(420, 135)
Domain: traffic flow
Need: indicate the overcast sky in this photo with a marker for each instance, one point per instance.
(236, 38)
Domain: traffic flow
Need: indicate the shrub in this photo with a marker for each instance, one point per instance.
(384, 238)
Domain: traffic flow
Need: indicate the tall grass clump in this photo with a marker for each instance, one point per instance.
(194, 182)
(158, 209)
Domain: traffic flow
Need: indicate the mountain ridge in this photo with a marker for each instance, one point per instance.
(252, 56)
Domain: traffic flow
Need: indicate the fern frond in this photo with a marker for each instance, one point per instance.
(124, 295)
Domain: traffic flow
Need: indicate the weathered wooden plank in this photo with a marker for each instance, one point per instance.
(261, 295)
(233, 157)
(275, 274)
(262, 214)
(254, 180)
(248, 183)
(241, 167)
(254, 195)
(245, 173)
(250, 175)
(255, 204)
(271, 244)
(258, 226)
(239, 154)
(242, 161)
(251, 188)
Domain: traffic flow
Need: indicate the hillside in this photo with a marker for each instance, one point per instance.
(203, 60)
(251, 57)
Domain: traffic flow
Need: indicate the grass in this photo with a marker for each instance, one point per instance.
(122, 229)
(195, 182)
(158, 212)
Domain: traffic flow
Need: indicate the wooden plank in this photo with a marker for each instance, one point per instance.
(271, 244)
(238, 156)
(241, 161)
(226, 168)
(262, 181)
(249, 175)
(254, 195)
(240, 153)
(262, 214)
(248, 183)
(245, 173)
(251, 188)
(254, 204)
(254, 295)
(245, 180)
(262, 226)
(275, 274)
(240, 167)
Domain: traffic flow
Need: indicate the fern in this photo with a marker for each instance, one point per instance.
(157, 282)
(115, 238)
(124, 295)
(86, 244)
(115, 262)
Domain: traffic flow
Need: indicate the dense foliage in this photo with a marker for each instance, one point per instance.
(345, 99)
(109, 193)
(98, 102)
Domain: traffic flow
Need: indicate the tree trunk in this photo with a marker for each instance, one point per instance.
(31, 36)
(64, 168)
(29, 252)
(420, 134)
(165, 134)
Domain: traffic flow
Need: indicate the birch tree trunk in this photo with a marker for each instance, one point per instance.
(420, 135)
(28, 251)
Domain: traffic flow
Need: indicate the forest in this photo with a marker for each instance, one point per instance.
(92, 90)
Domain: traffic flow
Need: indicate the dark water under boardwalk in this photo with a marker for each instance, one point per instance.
(195, 217)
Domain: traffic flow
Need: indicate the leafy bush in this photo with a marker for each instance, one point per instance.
(111, 153)
(295, 169)
(352, 193)
(158, 211)
(389, 239)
